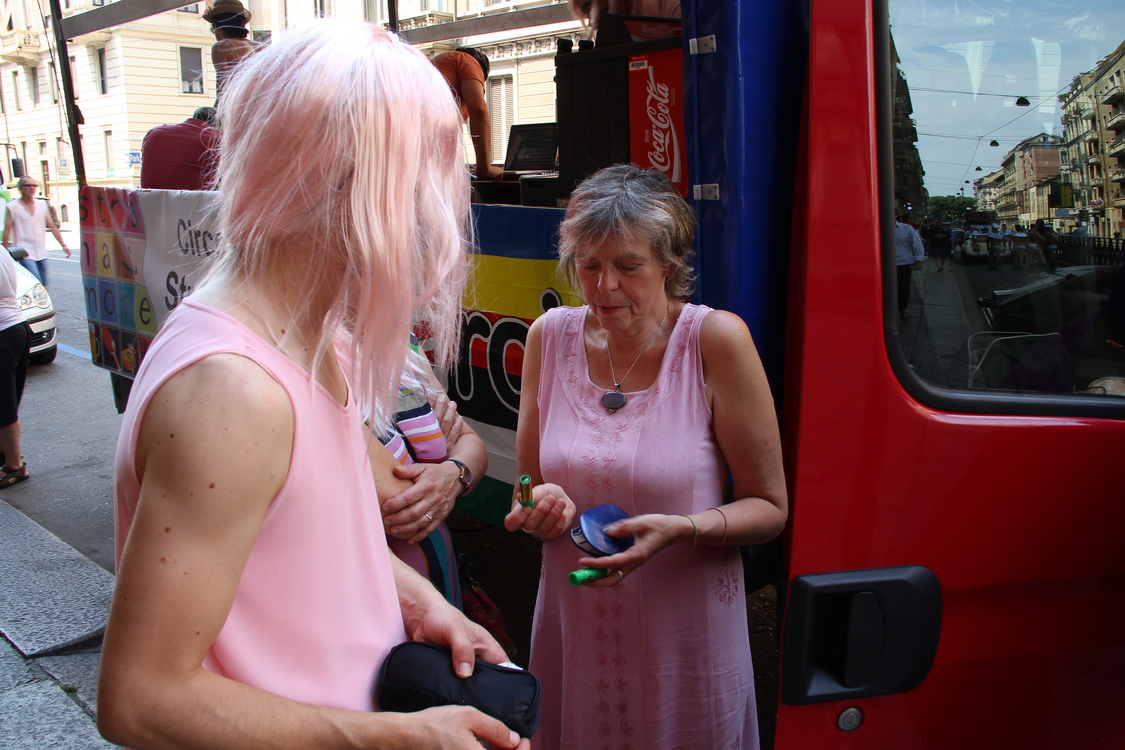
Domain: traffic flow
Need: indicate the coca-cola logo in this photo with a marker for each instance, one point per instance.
(665, 153)
(656, 30)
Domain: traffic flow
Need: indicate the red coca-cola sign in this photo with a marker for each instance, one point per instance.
(643, 28)
(656, 114)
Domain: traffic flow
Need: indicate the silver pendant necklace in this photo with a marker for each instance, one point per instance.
(615, 399)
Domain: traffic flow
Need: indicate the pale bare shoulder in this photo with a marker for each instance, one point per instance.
(536, 330)
(731, 366)
(722, 330)
(224, 409)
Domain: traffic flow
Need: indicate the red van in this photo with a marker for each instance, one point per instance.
(952, 575)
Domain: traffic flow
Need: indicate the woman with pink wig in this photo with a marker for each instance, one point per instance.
(255, 595)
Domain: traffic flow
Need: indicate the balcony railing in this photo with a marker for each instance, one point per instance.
(20, 47)
(1117, 175)
(432, 18)
(1116, 121)
(1090, 251)
(1112, 94)
(1116, 147)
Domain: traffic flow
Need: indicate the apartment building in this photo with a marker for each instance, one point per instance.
(1027, 186)
(127, 80)
(987, 191)
(157, 70)
(1109, 92)
(1094, 166)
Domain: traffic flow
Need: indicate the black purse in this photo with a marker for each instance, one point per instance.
(417, 676)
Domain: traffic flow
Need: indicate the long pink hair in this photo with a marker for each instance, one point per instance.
(343, 138)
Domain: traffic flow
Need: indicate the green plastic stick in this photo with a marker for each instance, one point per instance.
(579, 577)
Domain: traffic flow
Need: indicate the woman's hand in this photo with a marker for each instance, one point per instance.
(428, 618)
(652, 532)
(448, 418)
(457, 727)
(414, 513)
(551, 516)
(448, 627)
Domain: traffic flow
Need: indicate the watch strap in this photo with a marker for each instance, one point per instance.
(463, 475)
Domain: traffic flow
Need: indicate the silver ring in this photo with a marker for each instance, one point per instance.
(427, 515)
(622, 574)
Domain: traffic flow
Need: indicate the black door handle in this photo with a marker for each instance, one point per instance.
(859, 633)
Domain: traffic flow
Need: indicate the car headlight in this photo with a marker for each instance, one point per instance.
(36, 297)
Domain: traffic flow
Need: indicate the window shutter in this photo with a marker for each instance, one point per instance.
(501, 110)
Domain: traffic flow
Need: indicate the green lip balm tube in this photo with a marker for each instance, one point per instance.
(579, 577)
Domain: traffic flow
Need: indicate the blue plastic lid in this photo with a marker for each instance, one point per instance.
(591, 530)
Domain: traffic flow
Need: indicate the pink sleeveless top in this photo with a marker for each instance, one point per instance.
(661, 660)
(316, 610)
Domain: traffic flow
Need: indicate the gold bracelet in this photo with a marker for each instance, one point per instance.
(724, 542)
(694, 541)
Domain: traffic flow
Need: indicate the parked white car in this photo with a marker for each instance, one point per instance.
(40, 315)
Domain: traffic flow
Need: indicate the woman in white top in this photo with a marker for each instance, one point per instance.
(14, 350)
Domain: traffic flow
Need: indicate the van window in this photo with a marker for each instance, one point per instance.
(1007, 139)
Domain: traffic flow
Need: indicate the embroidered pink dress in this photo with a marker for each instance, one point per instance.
(316, 609)
(662, 660)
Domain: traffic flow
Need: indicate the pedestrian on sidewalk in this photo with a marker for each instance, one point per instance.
(909, 254)
(15, 338)
(940, 244)
(26, 226)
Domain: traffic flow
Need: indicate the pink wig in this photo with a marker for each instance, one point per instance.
(343, 139)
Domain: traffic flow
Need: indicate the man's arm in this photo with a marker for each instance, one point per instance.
(7, 226)
(51, 225)
(197, 519)
(480, 127)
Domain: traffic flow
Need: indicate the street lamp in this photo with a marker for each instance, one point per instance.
(17, 163)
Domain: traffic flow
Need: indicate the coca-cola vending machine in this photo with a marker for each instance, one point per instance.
(656, 114)
(620, 103)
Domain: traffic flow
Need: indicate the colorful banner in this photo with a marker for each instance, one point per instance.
(144, 250)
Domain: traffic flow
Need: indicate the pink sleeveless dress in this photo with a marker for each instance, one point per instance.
(316, 610)
(663, 659)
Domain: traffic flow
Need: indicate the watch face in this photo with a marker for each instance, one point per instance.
(466, 476)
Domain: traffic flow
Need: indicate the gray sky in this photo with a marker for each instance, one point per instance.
(967, 62)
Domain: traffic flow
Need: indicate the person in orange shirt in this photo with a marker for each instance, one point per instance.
(589, 11)
(465, 70)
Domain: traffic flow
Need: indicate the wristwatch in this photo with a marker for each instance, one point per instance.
(466, 476)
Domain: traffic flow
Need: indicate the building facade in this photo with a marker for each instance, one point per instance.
(157, 70)
(1094, 158)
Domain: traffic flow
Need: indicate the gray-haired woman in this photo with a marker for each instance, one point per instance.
(645, 401)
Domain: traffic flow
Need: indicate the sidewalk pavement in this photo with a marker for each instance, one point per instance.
(53, 608)
(943, 314)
